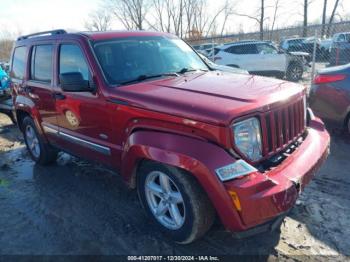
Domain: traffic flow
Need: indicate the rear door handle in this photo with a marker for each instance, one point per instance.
(59, 96)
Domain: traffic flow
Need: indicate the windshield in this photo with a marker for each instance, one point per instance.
(126, 59)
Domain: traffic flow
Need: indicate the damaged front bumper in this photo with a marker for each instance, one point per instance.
(264, 196)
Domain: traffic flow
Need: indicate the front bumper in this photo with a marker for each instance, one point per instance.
(265, 196)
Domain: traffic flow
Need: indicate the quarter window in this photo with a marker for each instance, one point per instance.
(72, 60)
(41, 67)
(18, 64)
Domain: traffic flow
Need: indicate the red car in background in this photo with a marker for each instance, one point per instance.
(330, 96)
(193, 141)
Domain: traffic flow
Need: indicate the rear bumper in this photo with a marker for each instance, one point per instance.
(265, 196)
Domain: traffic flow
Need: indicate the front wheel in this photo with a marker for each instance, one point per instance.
(294, 72)
(174, 201)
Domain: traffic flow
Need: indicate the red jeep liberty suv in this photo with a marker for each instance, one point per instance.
(193, 141)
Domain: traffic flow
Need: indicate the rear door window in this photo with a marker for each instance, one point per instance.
(242, 49)
(19, 63)
(41, 64)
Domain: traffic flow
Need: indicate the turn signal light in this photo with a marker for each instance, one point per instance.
(235, 200)
(322, 79)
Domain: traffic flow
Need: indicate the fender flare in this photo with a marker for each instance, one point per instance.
(22, 103)
(199, 158)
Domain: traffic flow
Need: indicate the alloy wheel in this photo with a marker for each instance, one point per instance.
(165, 200)
(296, 73)
(32, 141)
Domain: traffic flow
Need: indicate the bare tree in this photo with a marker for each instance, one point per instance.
(6, 43)
(189, 14)
(162, 15)
(258, 18)
(169, 16)
(277, 6)
(336, 4)
(99, 21)
(201, 18)
(306, 6)
(177, 15)
(131, 13)
(228, 11)
(324, 13)
(5, 49)
(262, 17)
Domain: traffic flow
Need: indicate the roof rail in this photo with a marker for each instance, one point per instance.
(52, 32)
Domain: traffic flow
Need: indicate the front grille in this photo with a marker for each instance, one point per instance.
(282, 126)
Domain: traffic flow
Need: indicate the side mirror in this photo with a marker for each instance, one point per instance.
(74, 82)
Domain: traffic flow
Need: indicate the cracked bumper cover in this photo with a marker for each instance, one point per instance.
(266, 196)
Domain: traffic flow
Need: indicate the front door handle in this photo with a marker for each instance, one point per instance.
(30, 92)
(59, 96)
(28, 89)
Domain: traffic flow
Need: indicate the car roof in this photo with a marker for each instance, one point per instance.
(105, 35)
(342, 33)
(296, 38)
(246, 42)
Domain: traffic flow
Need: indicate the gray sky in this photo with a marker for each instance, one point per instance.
(26, 16)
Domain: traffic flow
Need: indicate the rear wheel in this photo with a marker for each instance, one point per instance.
(41, 152)
(174, 201)
(294, 72)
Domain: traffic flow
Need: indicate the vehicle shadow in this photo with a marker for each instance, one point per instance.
(88, 210)
(325, 205)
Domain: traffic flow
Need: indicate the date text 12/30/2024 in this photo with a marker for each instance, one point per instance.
(173, 258)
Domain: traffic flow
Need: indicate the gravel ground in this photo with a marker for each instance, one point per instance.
(75, 207)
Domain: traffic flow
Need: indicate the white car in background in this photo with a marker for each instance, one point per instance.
(260, 57)
(205, 48)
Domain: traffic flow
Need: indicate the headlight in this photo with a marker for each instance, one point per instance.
(247, 136)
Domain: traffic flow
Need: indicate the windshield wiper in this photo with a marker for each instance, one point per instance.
(185, 70)
(141, 78)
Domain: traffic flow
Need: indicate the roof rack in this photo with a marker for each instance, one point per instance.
(52, 32)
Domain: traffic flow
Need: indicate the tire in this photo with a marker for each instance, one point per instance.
(41, 152)
(195, 214)
(347, 124)
(294, 72)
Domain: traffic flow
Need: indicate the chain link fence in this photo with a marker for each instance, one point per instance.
(294, 53)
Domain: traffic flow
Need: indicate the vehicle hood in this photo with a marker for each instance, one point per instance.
(213, 97)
